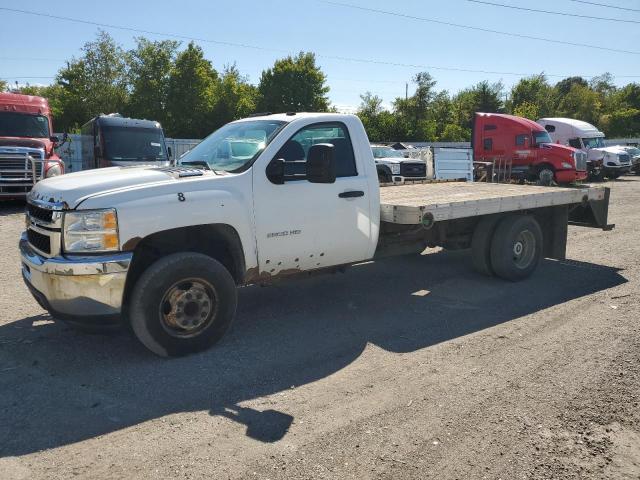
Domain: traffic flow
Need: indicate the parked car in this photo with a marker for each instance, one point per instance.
(112, 140)
(528, 147)
(634, 152)
(27, 145)
(602, 161)
(392, 166)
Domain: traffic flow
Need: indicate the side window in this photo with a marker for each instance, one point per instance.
(550, 128)
(520, 139)
(488, 144)
(575, 143)
(295, 151)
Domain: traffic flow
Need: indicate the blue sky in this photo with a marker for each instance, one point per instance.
(36, 46)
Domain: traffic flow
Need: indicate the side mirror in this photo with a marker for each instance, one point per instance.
(321, 165)
(275, 171)
(54, 139)
(169, 152)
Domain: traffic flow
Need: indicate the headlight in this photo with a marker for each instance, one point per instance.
(395, 168)
(91, 231)
(53, 171)
(566, 165)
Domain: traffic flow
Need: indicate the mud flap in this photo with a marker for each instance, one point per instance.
(592, 213)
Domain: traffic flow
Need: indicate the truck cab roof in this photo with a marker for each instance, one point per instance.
(571, 127)
(118, 121)
(15, 102)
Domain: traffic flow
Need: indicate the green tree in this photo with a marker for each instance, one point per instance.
(532, 97)
(582, 103)
(149, 71)
(3, 85)
(95, 83)
(294, 84)
(191, 95)
(564, 85)
(236, 97)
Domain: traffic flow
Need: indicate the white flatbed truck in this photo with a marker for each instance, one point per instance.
(262, 199)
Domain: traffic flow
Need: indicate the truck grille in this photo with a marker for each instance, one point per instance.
(625, 159)
(581, 161)
(39, 241)
(41, 214)
(20, 169)
(413, 169)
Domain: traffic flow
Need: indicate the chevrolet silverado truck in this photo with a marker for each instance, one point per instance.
(163, 249)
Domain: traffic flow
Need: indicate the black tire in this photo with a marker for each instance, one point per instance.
(384, 177)
(154, 317)
(546, 175)
(481, 245)
(512, 233)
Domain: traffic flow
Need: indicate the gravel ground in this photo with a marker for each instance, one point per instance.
(414, 367)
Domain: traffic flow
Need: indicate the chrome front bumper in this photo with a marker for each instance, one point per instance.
(76, 287)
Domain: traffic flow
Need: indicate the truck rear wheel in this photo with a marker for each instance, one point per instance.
(516, 247)
(183, 303)
(481, 245)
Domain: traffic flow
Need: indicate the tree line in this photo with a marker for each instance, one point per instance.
(181, 89)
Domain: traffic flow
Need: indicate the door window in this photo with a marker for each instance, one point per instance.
(520, 139)
(488, 144)
(575, 143)
(295, 151)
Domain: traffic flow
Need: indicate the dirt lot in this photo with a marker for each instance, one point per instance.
(410, 368)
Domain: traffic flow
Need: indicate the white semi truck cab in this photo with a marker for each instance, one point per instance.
(602, 161)
(163, 249)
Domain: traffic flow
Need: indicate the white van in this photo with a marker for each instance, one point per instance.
(602, 161)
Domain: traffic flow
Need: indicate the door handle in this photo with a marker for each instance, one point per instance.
(351, 194)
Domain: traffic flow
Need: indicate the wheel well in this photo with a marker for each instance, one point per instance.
(540, 166)
(218, 241)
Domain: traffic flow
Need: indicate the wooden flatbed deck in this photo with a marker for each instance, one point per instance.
(408, 204)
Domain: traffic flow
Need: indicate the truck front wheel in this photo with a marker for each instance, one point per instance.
(183, 303)
(516, 247)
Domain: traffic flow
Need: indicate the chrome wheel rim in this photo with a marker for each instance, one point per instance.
(188, 307)
(524, 249)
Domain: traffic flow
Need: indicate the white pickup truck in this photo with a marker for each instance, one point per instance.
(163, 249)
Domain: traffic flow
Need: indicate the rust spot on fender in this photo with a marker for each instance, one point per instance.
(131, 244)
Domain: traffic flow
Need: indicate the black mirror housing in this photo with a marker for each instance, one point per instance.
(321, 164)
(169, 152)
(54, 139)
(275, 171)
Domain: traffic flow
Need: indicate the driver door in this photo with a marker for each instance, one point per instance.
(305, 226)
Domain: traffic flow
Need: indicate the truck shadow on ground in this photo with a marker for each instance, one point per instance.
(11, 207)
(59, 387)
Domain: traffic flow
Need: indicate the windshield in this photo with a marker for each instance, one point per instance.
(595, 142)
(235, 145)
(633, 151)
(386, 152)
(23, 125)
(133, 144)
(541, 137)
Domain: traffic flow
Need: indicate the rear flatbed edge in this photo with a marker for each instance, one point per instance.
(408, 204)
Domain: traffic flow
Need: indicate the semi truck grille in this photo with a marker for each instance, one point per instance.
(581, 161)
(415, 169)
(624, 159)
(20, 169)
(39, 241)
(41, 214)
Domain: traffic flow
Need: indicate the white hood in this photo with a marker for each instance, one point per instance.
(75, 187)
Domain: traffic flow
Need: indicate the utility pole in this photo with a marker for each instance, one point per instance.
(406, 91)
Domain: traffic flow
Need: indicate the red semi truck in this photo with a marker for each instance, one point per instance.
(27, 145)
(528, 146)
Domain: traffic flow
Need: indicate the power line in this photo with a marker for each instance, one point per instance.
(330, 57)
(549, 12)
(607, 5)
(479, 29)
